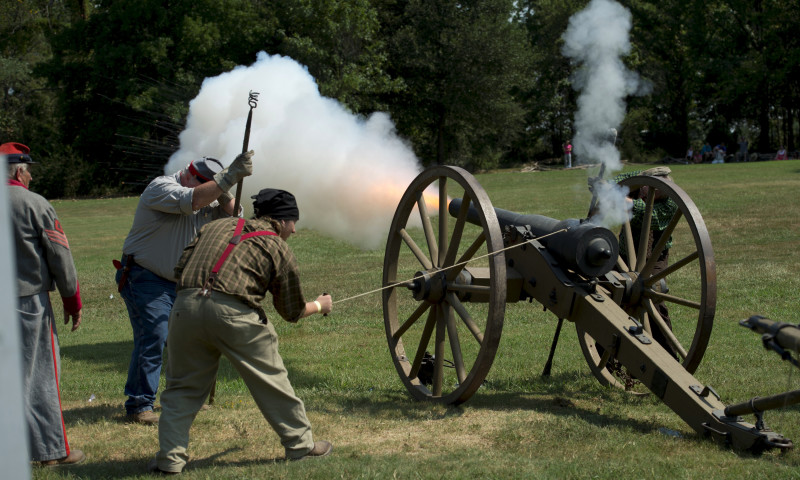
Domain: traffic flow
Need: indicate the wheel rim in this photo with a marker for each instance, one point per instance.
(426, 288)
(690, 278)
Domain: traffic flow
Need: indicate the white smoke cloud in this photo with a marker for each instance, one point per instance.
(347, 173)
(596, 40)
(613, 208)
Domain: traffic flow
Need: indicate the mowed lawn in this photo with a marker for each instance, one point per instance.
(518, 425)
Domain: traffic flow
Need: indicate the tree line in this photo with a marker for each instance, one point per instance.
(100, 90)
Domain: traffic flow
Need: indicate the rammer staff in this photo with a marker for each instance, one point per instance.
(252, 100)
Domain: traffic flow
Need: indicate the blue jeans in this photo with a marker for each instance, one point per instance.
(149, 299)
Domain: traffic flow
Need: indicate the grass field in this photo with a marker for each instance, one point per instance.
(519, 425)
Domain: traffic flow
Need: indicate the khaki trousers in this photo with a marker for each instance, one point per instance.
(202, 328)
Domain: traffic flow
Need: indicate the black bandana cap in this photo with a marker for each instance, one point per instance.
(276, 204)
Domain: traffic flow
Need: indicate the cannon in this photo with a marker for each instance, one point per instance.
(783, 339)
(446, 285)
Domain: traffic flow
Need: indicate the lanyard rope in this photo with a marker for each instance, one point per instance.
(406, 282)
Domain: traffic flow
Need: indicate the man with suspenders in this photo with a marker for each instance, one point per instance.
(223, 276)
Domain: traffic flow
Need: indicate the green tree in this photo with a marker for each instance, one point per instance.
(340, 43)
(473, 83)
(549, 101)
(672, 41)
(762, 56)
(28, 105)
(462, 64)
(24, 26)
(127, 71)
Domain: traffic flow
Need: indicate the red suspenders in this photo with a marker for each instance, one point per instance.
(237, 237)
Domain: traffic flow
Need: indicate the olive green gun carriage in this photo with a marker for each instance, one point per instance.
(453, 262)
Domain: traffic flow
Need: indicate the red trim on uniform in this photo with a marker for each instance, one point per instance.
(57, 237)
(58, 387)
(16, 183)
(73, 304)
(194, 172)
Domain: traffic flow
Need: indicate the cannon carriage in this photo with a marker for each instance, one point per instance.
(446, 286)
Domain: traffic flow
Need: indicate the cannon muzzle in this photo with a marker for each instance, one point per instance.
(785, 336)
(587, 248)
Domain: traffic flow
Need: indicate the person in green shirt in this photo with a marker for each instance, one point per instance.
(664, 209)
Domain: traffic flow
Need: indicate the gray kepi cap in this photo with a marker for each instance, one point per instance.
(205, 168)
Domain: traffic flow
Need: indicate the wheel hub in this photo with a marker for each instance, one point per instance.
(429, 286)
(634, 287)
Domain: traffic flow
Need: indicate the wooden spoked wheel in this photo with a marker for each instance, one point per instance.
(674, 298)
(443, 329)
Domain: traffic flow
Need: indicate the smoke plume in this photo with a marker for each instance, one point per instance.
(347, 172)
(596, 40)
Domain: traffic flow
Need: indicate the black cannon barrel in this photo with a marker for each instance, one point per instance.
(584, 246)
(786, 337)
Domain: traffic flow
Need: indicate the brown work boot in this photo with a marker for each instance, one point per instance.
(146, 417)
(321, 448)
(75, 457)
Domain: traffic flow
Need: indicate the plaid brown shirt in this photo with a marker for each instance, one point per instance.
(254, 267)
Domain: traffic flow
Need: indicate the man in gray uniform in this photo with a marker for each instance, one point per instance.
(171, 211)
(44, 261)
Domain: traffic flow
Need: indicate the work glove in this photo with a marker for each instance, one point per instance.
(241, 167)
(224, 199)
(657, 172)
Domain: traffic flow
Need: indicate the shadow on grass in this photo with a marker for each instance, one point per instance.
(553, 395)
(199, 463)
(561, 405)
(560, 395)
(138, 466)
(115, 356)
(99, 469)
(96, 413)
(213, 460)
(110, 355)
